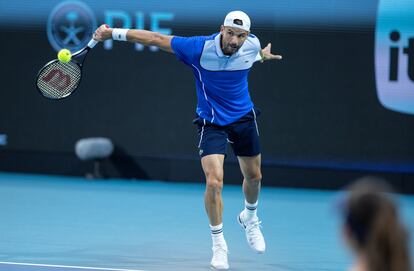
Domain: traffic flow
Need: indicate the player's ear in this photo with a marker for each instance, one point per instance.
(222, 29)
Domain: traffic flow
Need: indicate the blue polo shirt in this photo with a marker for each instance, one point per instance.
(221, 81)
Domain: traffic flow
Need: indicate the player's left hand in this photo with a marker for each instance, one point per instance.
(267, 54)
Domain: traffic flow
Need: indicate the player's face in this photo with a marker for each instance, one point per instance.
(232, 39)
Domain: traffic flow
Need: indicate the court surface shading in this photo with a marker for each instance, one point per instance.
(51, 223)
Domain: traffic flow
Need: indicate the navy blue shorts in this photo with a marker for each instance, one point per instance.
(243, 136)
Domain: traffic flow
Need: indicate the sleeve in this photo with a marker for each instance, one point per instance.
(257, 46)
(186, 49)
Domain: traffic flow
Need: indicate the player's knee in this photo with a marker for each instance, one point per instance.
(214, 174)
(254, 177)
(214, 183)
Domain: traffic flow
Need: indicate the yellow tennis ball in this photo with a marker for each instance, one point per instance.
(64, 55)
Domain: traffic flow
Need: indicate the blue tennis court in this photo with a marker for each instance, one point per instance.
(61, 223)
(120, 121)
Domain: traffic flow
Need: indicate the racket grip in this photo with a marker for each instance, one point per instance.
(92, 43)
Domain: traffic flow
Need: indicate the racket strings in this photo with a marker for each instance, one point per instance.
(58, 80)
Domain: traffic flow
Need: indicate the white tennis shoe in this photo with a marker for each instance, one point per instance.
(254, 235)
(219, 260)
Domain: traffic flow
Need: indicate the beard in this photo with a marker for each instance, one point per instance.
(229, 50)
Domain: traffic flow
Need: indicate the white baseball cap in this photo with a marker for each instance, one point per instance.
(237, 19)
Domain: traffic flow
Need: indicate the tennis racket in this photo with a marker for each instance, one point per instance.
(57, 80)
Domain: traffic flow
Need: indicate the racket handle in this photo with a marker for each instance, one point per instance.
(92, 43)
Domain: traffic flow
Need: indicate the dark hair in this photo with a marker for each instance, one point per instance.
(374, 223)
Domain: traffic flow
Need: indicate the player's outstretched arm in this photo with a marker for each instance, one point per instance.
(144, 37)
(266, 54)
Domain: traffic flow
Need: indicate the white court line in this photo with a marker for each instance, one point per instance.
(68, 266)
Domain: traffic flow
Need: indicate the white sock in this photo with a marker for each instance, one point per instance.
(250, 210)
(217, 235)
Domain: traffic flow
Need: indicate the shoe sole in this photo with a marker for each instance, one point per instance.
(215, 268)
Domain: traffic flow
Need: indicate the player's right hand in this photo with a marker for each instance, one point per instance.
(102, 33)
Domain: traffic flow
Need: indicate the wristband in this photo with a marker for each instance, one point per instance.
(119, 34)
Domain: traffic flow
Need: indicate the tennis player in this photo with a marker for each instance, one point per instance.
(225, 113)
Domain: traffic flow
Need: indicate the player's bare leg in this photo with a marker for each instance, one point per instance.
(250, 168)
(213, 170)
